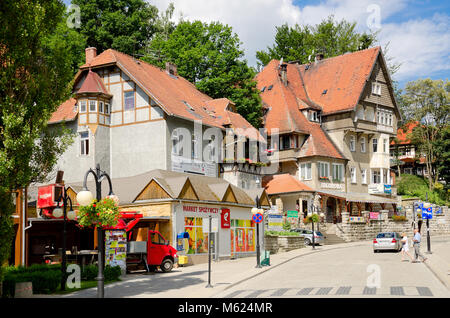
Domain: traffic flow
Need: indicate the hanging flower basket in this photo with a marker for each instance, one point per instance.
(99, 214)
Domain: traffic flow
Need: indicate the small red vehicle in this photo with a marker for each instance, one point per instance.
(153, 253)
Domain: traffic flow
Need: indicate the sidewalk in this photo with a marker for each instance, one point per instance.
(191, 281)
(439, 261)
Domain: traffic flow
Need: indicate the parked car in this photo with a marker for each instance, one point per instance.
(387, 241)
(307, 235)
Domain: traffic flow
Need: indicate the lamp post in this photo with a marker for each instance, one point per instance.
(255, 211)
(71, 216)
(85, 197)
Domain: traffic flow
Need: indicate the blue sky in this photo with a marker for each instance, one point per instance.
(418, 32)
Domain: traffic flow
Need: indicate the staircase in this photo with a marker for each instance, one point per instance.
(330, 235)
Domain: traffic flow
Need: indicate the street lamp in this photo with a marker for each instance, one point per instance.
(58, 212)
(85, 197)
(256, 210)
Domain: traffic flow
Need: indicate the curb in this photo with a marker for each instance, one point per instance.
(284, 262)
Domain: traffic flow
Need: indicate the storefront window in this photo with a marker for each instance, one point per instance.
(198, 242)
(242, 236)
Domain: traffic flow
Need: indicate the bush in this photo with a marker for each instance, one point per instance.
(286, 226)
(281, 233)
(90, 272)
(44, 281)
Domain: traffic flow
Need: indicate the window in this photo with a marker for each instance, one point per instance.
(198, 241)
(376, 177)
(129, 100)
(364, 176)
(385, 117)
(352, 143)
(385, 149)
(82, 106)
(385, 176)
(305, 171)
(242, 236)
(285, 142)
(92, 106)
(376, 88)
(194, 147)
(157, 239)
(176, 143)
(353, 174)
(363, 144)
(324, 170)
(375, 145)
(107, 109)
(100, 107)
(84, 141)
(338, 172)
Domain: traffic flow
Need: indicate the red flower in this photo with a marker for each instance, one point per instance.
(93, 205)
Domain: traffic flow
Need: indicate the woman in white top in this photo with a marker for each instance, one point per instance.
(405, 247)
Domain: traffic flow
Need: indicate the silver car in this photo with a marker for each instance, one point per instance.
(387, 241)
(307, 235)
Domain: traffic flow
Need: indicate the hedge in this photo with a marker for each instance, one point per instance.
(47, 278)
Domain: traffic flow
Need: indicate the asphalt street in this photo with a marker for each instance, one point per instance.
(348, 272)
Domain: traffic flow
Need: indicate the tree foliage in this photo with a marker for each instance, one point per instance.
(427, 102)
(300, 43)
(210, 56)
(124, 25)
(35, 77)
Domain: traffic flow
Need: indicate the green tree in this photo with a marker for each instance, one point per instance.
(35, 77)
(300, 43)
(210, 56)
(427, 101)
(124, 25)
(443, 159)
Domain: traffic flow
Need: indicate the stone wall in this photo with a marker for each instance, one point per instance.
(279, 244)
(350, 232)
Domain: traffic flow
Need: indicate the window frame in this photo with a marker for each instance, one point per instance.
(107, 108)
(353, 175)
(304, 168)
(376, 88)
(351, 142)
(363, 143)
(363, 176)
(125, 100)
(374, 145)
(84, 143)
(320, 169)
(340, 176)
(94, 102)
(101, 107)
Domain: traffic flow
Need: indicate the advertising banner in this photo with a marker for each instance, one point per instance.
(116, 248)
(275, 222)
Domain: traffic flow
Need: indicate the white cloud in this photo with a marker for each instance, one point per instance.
(421, 45)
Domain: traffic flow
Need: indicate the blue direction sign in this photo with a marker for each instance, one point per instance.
(427, 213)
(257, 218)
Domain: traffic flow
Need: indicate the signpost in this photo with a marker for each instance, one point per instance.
(210, 227)
(427, 214)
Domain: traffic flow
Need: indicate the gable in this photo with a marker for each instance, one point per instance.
(152, 191)
(229, 196)
(188, 192)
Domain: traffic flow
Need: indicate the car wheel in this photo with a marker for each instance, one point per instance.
(307, 241)
(166, 265)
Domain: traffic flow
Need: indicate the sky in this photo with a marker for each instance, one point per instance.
(417, 31)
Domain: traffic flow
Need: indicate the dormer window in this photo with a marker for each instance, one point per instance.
(313, 116)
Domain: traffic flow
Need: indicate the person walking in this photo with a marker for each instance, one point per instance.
(405, 247)
(417, 238)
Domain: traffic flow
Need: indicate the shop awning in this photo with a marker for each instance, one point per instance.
(357, 197)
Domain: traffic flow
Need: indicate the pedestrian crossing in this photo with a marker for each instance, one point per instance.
(398, 291)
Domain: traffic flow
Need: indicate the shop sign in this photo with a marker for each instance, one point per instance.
(374, 215)
(375, 188)
(201, 209)
(275, 222)
(336, 186)
(357, 219)
(387, 189)
(292, 214)
(181, 164)
(225, 219)
(438, 210)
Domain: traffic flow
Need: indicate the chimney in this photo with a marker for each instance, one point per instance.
(171, 68)
(319, 57)
(91, 53)
(283, 73)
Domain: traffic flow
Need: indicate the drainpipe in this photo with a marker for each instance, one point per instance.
(24, 214)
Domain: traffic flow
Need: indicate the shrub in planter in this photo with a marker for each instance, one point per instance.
(398, 218)
(44, 280)
(89, 272)
(310, 218)
(112, 273)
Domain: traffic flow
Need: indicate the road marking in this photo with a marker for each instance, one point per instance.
(235, 293)
(280, 292)
(256, 293)
(424, 291)
(304, 291)
(397, 290)
(369, 290)
(343, 290)
(324, 290)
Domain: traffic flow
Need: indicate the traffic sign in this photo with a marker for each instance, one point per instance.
(427, 213)
(257, 218)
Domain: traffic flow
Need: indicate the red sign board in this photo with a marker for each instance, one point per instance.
(225, 219)
(46, 197)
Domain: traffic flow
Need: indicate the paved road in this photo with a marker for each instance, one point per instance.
(344, 272)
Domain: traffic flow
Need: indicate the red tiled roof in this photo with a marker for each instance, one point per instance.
(344, 77)
(285, 104)
(177, 96)
(93, 84)
(403, 132)
(65, 112)
(283, 183)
